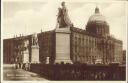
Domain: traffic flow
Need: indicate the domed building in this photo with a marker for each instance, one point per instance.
(69, 44)
(97, 24)
(95, 44)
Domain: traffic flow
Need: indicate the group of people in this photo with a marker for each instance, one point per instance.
(25, 66)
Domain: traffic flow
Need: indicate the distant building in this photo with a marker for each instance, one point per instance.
(14, 50)
(124, 57)
(8, 51)
(69, 44)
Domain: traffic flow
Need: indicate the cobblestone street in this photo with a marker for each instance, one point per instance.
(10, 73)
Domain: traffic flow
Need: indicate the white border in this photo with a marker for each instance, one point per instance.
(1, 41)
(99, 1)
(127, 41)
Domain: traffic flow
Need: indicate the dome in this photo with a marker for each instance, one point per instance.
(97, 17)
(97, 24)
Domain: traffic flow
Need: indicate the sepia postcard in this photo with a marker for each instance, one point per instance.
(64, 41)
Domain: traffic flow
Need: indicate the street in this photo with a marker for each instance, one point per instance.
(10, 73)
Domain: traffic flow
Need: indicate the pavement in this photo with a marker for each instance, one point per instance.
(10, 73)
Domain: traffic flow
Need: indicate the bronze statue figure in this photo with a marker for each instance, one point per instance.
(63, 18)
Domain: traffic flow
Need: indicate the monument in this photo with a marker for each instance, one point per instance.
(34, 49)
(63, 36)
(26, 51)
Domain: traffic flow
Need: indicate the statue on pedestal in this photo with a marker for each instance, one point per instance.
(63, 18)
(34, 49)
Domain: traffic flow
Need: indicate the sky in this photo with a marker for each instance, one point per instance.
(31, 17)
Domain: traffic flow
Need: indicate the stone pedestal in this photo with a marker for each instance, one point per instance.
(35, 54)
(47, 60)
(26, 56)
(63, 45)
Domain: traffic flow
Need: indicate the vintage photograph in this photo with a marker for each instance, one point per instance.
(64, 41)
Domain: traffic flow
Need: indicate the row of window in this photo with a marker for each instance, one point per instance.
(102, 30)
(83, 39)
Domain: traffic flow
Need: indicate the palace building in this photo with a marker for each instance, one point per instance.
(67, 43)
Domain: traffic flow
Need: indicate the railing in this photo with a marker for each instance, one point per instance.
(79, 72)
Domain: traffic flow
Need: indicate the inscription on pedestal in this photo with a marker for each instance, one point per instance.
(63, 47)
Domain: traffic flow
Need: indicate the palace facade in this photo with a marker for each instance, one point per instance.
(68, 44)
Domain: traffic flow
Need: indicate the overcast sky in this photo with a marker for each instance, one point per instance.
(30, 17)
